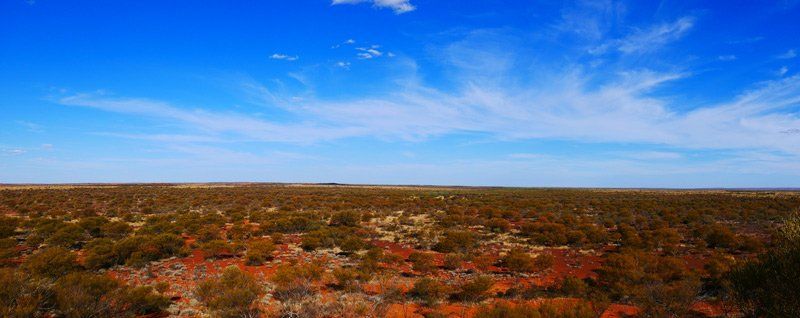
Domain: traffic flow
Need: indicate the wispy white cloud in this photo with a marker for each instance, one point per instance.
(654, 155)
(208, 122)
(345, 42)
(398, 6)
(528, 156)
(747, 40)
(566, 108)
(790, 54)
(368, 52)
(727, 58)
(14, 152)
(32, 127)
(649, 39)
(590, 19)
(279, 56)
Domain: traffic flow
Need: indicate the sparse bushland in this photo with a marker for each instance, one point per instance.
(659, 251)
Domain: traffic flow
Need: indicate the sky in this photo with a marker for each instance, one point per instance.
(674, 94)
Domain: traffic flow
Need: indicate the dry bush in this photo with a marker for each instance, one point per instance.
(296, 281)
(456, 242)
(474, 290)
(8, 226)
(518, 260)
(20, 295)
(453, 261)
(429, 291)
(422, 262)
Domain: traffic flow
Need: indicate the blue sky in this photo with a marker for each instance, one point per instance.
(511, 93)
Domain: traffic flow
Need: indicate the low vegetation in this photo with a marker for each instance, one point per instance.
(333, 251)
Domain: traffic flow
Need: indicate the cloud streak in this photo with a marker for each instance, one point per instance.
(398, 6)
(279, 56)
(650, 39)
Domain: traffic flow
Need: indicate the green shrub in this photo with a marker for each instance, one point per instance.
(116, 229)
(139, 250)
(453, 261)
(93, 225)
(233, 294)
(292, 224)
(429, 291)
(216, 249)
(99, 253)
(346, 279)
(142, 300)
(296, 281)
(518, 260)
(68, 236)
(352, 244)
(545, 233)
(8, 226)
(51, 263)
(572, 286)
(456, 242)
(208, 232)
(8, 250)
(545, 310)
(346, 218)
(474, 290)
(543, 262)
(718, 235)
(768, 286)
(20, 296)
(498, 225)
(160, 224)
(259, 251)
(82, 294)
